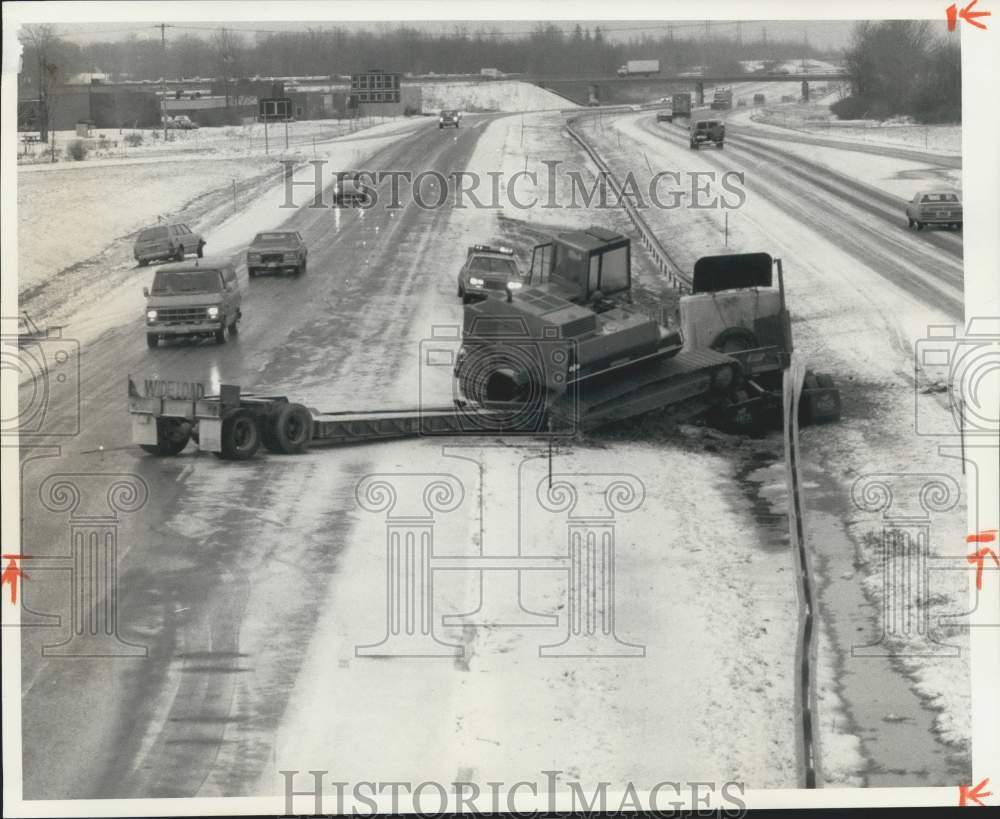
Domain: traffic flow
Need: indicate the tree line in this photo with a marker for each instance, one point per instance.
(547, 49)
(902, 67)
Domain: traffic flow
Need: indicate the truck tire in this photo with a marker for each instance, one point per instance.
(152, 340)
(720, 144)
(201, 249)
(234, 328)
(251, 272)
(240, 436)
(694, 146)
(825, 381)
(222, 334)
(290, 430)
(143, 262)
(179, 255)
(172, 435)
(302, 269)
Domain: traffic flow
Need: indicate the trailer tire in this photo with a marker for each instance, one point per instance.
(172, 435)
(290, 430)
(735, 339)
(240, 436)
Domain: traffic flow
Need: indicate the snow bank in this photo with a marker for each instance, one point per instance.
(495, 95)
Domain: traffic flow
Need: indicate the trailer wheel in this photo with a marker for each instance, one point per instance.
(172, 435)
(734, 340)
(291, 430)
(240, 436)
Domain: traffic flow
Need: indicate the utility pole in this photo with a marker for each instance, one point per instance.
(163, 99)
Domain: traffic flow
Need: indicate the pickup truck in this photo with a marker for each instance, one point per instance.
(198, 299)
(707, 130)
(171, 241)
(282, 251)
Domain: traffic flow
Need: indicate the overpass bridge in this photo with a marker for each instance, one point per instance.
(583, 89)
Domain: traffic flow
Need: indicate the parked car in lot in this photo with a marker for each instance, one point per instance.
(448, 118)
(707, 130)
(488, 272)
(940, 207)
(349, 190)
(281, 251)
(196, 299)
(181, 122)
(171, 241)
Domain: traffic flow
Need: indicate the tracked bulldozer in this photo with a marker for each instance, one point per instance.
(568, 349)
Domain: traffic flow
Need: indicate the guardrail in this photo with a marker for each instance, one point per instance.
(664, 262)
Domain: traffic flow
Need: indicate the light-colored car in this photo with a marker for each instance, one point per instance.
(194, 299)
(170, 241)
(937, 207)
(277, 250)
(181, 122)
(488, 272)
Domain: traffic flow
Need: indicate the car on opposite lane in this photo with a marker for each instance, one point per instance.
(281, 251)
(934, 207)
(488, 272)
(170, 241)
(448, 118)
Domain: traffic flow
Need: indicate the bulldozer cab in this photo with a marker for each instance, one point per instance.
(583, 263)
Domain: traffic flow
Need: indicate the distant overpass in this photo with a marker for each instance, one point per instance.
(583, 89)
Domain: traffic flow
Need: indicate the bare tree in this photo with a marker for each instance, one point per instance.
(228, 47)
(42, 40)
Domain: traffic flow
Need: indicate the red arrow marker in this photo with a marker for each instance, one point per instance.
(982, 537)
(979, 558)
(967, 792)
(11, 574)
(966, 14)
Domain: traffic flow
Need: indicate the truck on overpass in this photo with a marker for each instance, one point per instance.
(640, 68)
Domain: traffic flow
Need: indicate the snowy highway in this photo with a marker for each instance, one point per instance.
(246, 592)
